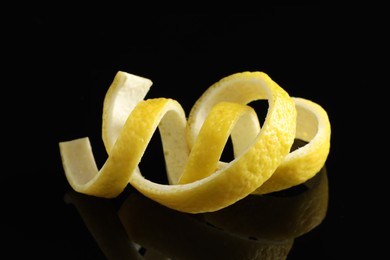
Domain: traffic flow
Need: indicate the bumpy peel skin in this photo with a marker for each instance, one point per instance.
(198, 180)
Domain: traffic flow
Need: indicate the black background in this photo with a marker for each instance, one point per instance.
(60, 61)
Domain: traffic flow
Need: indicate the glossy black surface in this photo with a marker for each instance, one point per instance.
(256, 227)
(61, 66)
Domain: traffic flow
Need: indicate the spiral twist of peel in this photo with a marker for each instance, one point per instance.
(198, 180)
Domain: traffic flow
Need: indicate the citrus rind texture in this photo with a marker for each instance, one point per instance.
(198, 180)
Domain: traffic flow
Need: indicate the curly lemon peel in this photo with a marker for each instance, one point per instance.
(221, 111)
(302, 164)
(125, 92)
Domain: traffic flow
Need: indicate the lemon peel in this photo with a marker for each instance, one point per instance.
(302, 164)
(129, 122)
(297, 214)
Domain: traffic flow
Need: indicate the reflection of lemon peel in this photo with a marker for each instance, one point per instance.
(256, 227)
(277, 217)
(158, 228)
(129, 122)
(101, 218)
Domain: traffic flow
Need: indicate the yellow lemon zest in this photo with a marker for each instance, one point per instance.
(198, 180)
